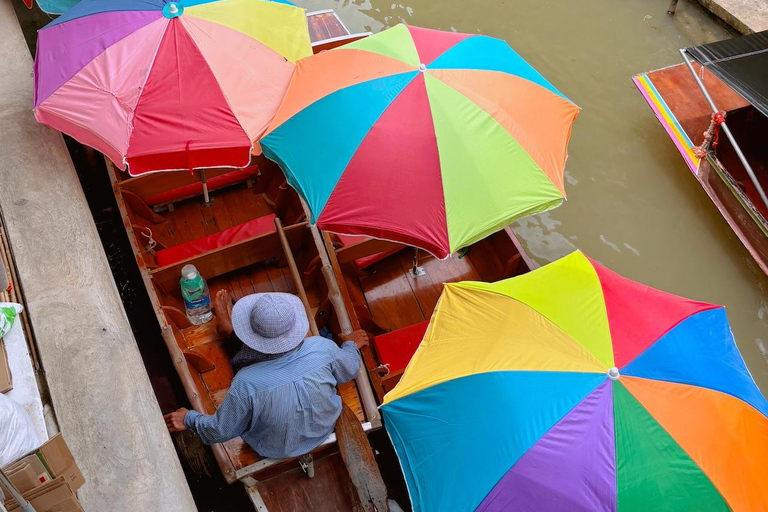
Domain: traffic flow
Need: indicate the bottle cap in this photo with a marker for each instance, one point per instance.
(189, 271)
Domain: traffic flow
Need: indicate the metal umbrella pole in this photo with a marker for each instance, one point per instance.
(204, 181)
(725, 128)
(24, 505)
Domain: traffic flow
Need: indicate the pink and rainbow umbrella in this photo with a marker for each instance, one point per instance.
(573, 389)
(158, 85)
(428, 138)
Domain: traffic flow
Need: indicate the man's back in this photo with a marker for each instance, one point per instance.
(285, 407)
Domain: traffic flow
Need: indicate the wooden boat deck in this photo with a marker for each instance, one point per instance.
(396, 299)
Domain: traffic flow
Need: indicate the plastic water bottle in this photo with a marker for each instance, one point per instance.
(197, 300)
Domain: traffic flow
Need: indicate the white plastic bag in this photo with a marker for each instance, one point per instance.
(17, 433)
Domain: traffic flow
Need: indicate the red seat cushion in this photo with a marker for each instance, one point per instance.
(196, 189)
(250, 229)
(396, 348)
(365, 261)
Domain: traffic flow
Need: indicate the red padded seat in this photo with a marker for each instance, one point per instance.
(365, 261)
(196, 189)
(396, 348)
(250, 229)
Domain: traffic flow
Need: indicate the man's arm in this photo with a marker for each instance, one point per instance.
(231, 419)
(347, 361)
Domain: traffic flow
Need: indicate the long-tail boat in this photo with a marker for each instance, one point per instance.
(252, 236)
(732, 76)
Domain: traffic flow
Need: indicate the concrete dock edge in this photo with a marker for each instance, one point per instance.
(100, 391)
(746, 16)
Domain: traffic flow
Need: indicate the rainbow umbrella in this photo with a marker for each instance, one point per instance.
(159, 85)
(433, 139)
(572, 388)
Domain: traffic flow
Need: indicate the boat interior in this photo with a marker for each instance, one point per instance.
(245, 231)
(252, 237)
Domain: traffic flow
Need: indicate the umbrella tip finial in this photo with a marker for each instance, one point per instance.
(173, 8)
(613, 373)
(422, 67)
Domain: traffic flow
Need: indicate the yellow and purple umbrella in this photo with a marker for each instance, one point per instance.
(572, 388)
(158, 85)
(433, 139)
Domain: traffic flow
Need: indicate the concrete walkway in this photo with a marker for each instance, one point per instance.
(100, 391)
(746, 16)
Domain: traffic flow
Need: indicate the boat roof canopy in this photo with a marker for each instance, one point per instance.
(742, 63)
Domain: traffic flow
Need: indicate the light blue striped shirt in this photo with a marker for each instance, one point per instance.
(285, 407)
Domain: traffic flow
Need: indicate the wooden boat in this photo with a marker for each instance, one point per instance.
(675, 98)
(252, 237)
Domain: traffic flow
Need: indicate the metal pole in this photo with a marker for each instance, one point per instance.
(725, 128)
(204, 181)
(296, 276)
(24, 505)
(416, 270)
(334, 294)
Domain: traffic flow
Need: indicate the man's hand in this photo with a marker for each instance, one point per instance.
(175, 420)
(360, 337)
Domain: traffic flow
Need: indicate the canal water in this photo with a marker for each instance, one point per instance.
(632, 203)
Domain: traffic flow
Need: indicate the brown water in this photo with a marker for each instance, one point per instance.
(632, 202)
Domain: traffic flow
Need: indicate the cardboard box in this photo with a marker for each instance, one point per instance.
(59, 462)
(26, 474)
(6, 382)
(52, 460)
(53, 496)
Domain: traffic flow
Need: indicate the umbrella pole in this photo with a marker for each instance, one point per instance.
(416, 270)
(204, 181)
(334, 294)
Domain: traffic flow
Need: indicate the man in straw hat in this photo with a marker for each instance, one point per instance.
(283, 399)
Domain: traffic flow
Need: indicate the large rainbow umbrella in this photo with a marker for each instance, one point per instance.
(573, 389)
(159, 85)
(434, 139)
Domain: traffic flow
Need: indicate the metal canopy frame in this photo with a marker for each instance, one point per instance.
(724, 126)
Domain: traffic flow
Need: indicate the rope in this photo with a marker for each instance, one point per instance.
(711, 136)
(151, 242)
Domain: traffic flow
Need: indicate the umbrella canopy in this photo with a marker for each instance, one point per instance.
(53, 6)
(429, 138)
(159, 85)
(572, 388)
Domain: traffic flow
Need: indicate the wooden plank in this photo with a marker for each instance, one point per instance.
(360, 462)
(389, 295)
(366, 247)
(228, 259)
(155, 183)
(329, 491)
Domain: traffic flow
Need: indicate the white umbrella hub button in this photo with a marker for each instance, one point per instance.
(173, 10)
(422, 67)
(613, 373)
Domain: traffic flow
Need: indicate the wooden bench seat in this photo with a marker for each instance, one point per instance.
(351, 246)
(196, 189)
(233, 235)
(228, 258)
(395, 349)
